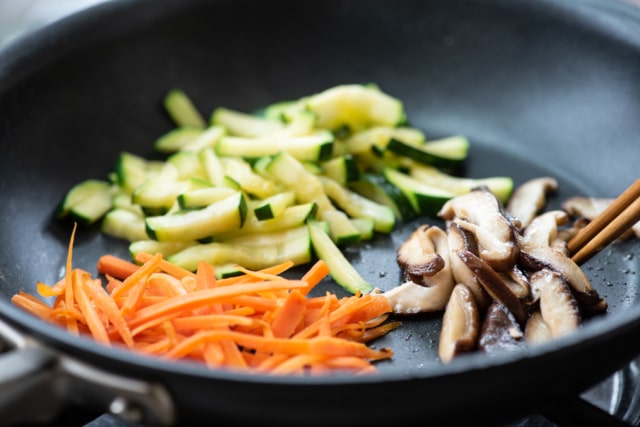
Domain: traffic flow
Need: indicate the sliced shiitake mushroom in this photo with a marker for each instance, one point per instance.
(543, 231)
(558, 306)
(500, 330)
(480, 212)
(460, 239)
(537, 252)
(432, 291)
(418, 257)
(518, 282)
(537, 331)
(529, 198)
(590, 207)
(494, 285)
(536, 258)
(460, 324)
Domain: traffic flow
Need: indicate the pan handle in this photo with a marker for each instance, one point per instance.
(37, 383)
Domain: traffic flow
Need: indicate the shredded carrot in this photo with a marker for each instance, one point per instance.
(115, 267)
(257, 321)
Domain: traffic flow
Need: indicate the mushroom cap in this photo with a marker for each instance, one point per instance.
(480, 212)
(529, 198)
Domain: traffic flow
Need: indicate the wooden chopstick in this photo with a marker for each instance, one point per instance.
(621, 214)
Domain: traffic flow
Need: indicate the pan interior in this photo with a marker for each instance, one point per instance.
(538, 91)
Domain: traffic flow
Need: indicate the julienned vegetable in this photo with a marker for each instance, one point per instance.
(258, 321)
(347, 151)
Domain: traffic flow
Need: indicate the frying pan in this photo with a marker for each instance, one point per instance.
(539, 87)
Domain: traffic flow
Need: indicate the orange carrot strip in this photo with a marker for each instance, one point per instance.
(134, 298)
(47, 291)
(318, 271)
(271, 362)
(156, 348)
(212, 321)
(205, 276)
(357, 364)
(348, 305)
(72, 324)
(207, 296)
(165, 265)
(155, 321)
(88, 310)
(213, 354)
(274, 269)
(255, 342)
(288, 317)
(377, 332)
(296, 365)
(32, 305)
(273, 274)
(188, 283)
(258, 303)
(332, 346)
(112, 283)
(232, 355)
(323, 346)
(166, 284)
(116, 267)
(141, 273)
(64, 313)
(106, 305)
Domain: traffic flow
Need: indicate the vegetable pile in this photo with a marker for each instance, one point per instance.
(242, 188)
(257, 321)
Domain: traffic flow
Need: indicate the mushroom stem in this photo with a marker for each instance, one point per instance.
(460, 324)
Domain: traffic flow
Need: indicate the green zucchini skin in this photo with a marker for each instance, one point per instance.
(341, 270)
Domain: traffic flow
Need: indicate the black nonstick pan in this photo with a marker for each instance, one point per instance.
(539, 87)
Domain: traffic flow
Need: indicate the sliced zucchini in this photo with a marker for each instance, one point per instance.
(365, 226)
(253, 251)
(341, 270)
(307, 187)
(298, 124)
(357, 206)
(212, 166)
(153, 247)
(342, 169)
(223, 216)
(187, 165)
(253, 183)
(501, 186)
(284, 110)
(293, 216)
(379, 137)
(177, 138)
(242, 124)
(275, 205)
(158, 195)
(313, 147)
(425, 199)
(291, 173)
(87, 201)
(355, 106)
(201, 197)
(122, 200)
(182, 110)
(209, 138)
(341, 230)
(132, 170)
(447, 152)
(376, 187)
(124, 224)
